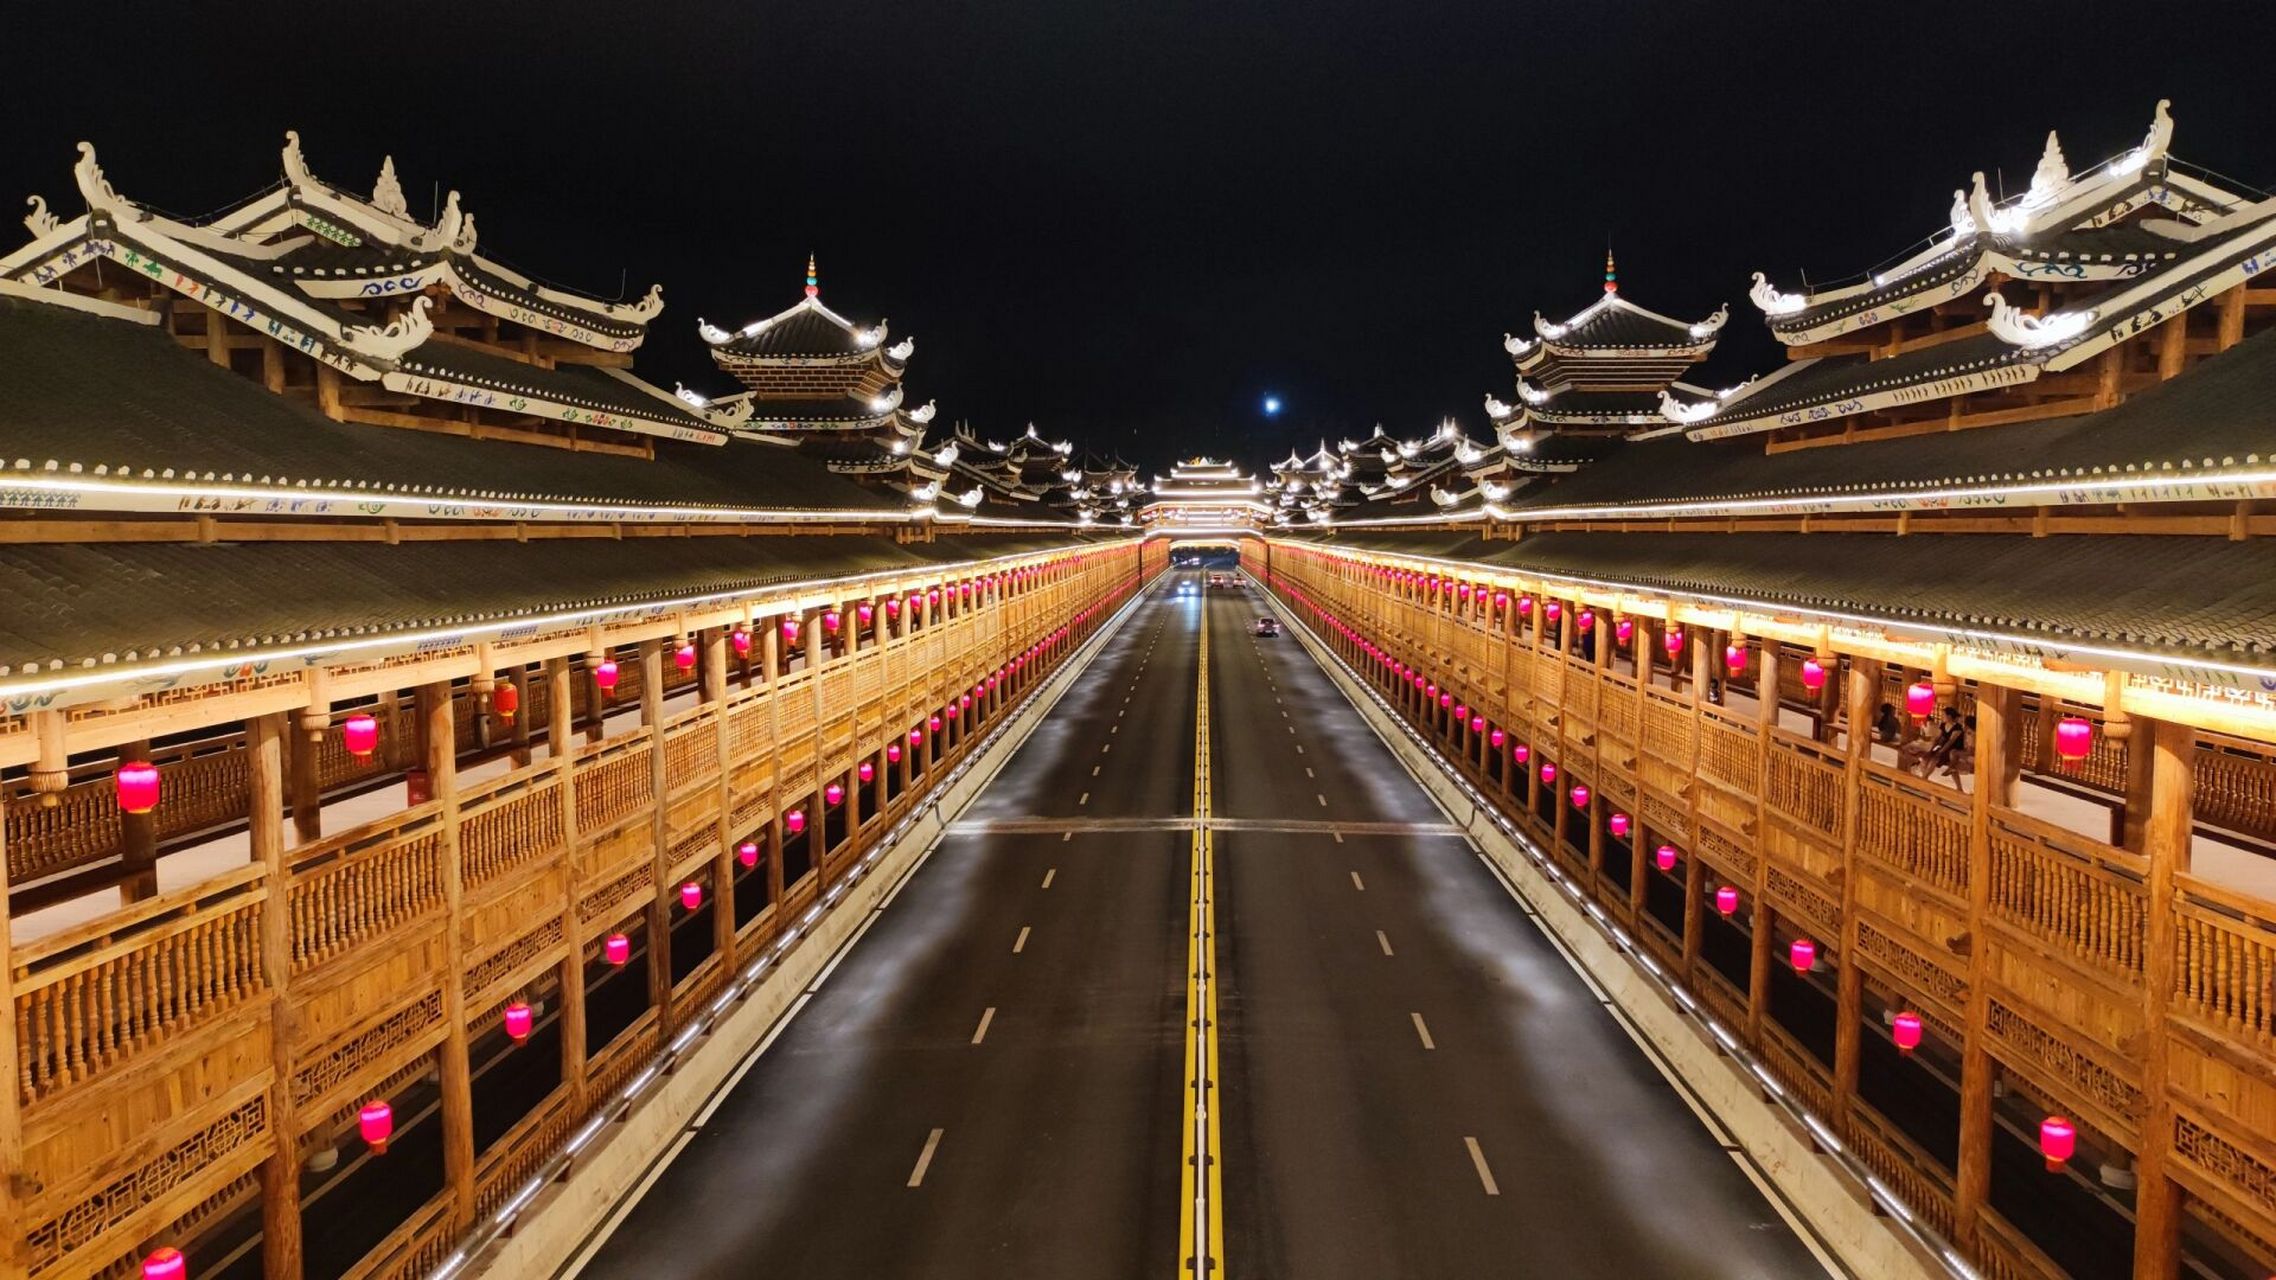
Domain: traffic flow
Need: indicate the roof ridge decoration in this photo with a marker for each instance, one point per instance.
(96, 189)
(395, 340)
(387, 192)
(1774, 303)
(39, 221)
(2018, 327)
(2051, 176)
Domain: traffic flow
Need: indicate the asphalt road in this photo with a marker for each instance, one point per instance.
(990, 1083)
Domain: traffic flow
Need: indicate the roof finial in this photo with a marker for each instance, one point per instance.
(813, 282)
(1611, 273)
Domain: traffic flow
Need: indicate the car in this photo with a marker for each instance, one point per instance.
(1268, 626)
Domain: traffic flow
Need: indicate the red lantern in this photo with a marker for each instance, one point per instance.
(1905, 1030)
(933, 596)
(616, 949)
(1525, 606)
(1920, 698)
(165, 1264)
(833, 793)
(747, 853)
(2074, 740)
(2058, 1142)
(741, 639)
(376, 1123)
(1735, 658)
(790, 630)
(1673, 643)
(518, 1020)
(1555, 610)
(1813, 674)
(691, 895)
(964, 700)
(137, 783)
(1497, 738)
(916, 736)
(1430, 690)
(683, 657)
(1586, 619)
(1477, 724)
(359, 733)
(1726, 900)
(1619, 824)
(1521, 753)
(1461, 710)
(1501, 600)
(1580, 796)
(604, 675)
(794, 821)
(1803, 955)
(506, 699)
(866, 613)
(1664, 857)
(866, 771)
(933, 723)
(1624, 630)
(892, 605)
(1548, 772)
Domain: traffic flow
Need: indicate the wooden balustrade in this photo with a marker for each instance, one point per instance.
(364, 884)
(2065, 889)
(1910, 1172)
(2225, 962)
(2004, 1253)
(1913, 829)
(1803, 782)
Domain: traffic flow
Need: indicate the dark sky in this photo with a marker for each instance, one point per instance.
(1127, 220)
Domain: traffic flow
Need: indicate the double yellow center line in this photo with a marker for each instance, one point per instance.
(1202, 1233)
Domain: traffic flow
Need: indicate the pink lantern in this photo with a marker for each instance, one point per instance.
(790, 630)
(964, 699)
(867, 614)
(1585, 620)
(1664, 857)
(933, 596)
(1580, 796)
(518, 1020)
(1813, 674)
(1548, 772)
(1501, 600)
(1735, 657)
(892, 605)
(604, 675)
(359, 733)
(165, 1264)
(1554, 611)
(830, 621)
(137, 783)
(1430, 690)
(1803, 955)
(917, 736)
(1497, 738)
(833, 793)
(684, 657)
(1905, 1030)
(1445, 700)
(375, 1122)
(1619, 823)
(1461, 710)
(892, 753)
(865, 771)
(2058, 1142)
(1521, 753)
(741, 639)
(933, 723)
(747, 853)
(1726, 900)
(1920, 698)
(1624, 630)
(1477, 724)
(2074, 740)
(1525, 606)
(691, 895)
(616, 949)
(1464, 592)
(794, 821)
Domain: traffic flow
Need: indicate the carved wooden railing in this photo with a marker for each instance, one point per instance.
(1914, 829)
(2004, 1253)
(2225, 962)
(1912, 1173)
(2074, 892)
(365, 883)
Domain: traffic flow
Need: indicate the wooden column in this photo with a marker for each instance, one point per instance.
(561, 757)
(138, 840)
(2158, 1200)
(818, 821)
(1997, 720)
(1849, 998)
(711, 687)
(665, 892)
(518, 680)
(440, 759)
(265, 739)
(12, 1221)
(306, 780)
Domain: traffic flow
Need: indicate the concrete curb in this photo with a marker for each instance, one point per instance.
(548, 1230)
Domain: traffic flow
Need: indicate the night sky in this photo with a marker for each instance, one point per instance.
(1129, 222)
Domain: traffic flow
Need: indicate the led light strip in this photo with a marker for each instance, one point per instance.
(1201, 1234)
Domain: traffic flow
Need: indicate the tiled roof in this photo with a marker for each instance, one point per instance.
(583, 386)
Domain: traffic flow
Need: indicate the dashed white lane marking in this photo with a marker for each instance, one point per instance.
(1485, 1175)
(1052, 871)
(987, 1016)
(1356, 883)
(1105, 747)
(1420, 1029)
(1292, 728)
(1299, 748)
(1114, 729)
(1065, 836)
(1086, 799)
(1308, 771)
(1019, 944)
(925, 1158)
(1321, 798)
(1094, 770)
(1339, 840)
(1383, 940)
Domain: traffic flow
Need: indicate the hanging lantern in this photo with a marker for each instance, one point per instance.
(1580, 796)
(790, 630)
(1624, 631)
(165, 1264)
(1905, 1030)
(830, 621)
(1620, 823)
(794, 821)
(892, 753)
(741, 640)
(137, 784)
(1813, 674)
(616, 949)
(933, 596)
(1501, 600)
(916, 735)
(2074, 740)
(1497, 738)
(1554, 611)
(1664, 857)
(1430, 690)
(833, 793)
(1673, 642)
(1548, 772)
(1464, 592)
(1726, 900)
(375, 1122)
(1920, 698)
(359, 733)
(506, 699)
(866, 613)
(1525, 606)
(518, 1020)
(691, 895)
(1803, 955)
(1521, 753)
(964, 699)
(1735, 658)
(892, 605)
(933, 723)
(1477, 724)
(866, 771)
(747, 853)
(1461, 710)
(683, 656)
(1586, 620)
(2058, 1142)
(1445, 700)
(604, 675)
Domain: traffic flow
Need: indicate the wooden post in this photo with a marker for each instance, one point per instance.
(265, 738)
(138, 840)
(437, 733)
(660, 901)
(561, 756)
(307, 782)
(818, 826)
(12, 1221)
(518, 680)
(1849, 995)
(1997, 718)
(2158, 1200)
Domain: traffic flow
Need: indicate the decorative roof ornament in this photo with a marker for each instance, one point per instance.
(94, 188)
(712, 333)
(2020, 328)
(694, 399)
(2052, 175)
(1989, 216)
(2153, 146)
(1468, 454)
(946, 454)
(1771, 301)
(970, 499)
(1675, 410)
(1713, 323)
(1517, 346)
(1531, 394)
(295, 164)
(387, 193)
(463, 242)
(813, 279)
(1444, 499)
(39, 221)
(650, 305)
(1611, 273)
(924, 414)
(902, 350)
(397, 339)
(445, 233)
(1498, 411)
(1963, 222)
(734, 415)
